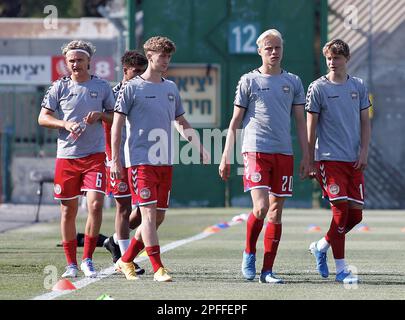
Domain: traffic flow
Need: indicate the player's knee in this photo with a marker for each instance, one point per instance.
(95, 206)
(134, 221)
(68, 212)
(357, 217)
(159, 219)
(68, 215)
(123, 213)
(260, 211)
(273, 217)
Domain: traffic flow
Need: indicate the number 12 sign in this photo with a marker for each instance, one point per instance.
(242, 37)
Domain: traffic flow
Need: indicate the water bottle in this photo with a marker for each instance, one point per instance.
(74, 135)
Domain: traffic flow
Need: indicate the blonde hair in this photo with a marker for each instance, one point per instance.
(79, 45)
(337, 46)
(268, 33)
(159, 44)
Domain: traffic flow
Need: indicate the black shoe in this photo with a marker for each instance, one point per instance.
(138, 269)
(114, 249)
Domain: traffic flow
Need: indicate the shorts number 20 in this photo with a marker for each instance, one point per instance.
(287, 183)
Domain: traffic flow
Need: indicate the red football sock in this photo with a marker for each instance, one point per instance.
(336, 233)
(90, 244)
(354, 218)
(253, 228)
(134, 248)
(154, 257)
(70, 248)
(272, 238)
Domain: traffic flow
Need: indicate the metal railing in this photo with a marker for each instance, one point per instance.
(385, 184)
(19, 110)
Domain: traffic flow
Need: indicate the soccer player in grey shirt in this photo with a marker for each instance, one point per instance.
(149, 105)
(265, 99)
(71, 103)
(134, 63)
(338, 136)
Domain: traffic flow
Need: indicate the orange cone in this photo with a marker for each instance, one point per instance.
(212, 229)
(62, 285)
(313, 228)
(363, 228)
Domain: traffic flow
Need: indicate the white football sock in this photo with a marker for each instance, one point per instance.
(124, 244)
(322, 245)
(115, 238)
(340, 265)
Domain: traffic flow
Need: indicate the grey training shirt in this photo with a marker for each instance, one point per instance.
(151, 109)
(72, 101)
(268, 100)
(339, 106)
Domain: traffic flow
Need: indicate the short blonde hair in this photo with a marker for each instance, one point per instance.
(80, 45)
(159, 44)
(269, 33)
(337, 46)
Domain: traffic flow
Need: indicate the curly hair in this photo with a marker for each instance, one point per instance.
(337, 46)
(133, 58)
(79, 44)
(160, 44)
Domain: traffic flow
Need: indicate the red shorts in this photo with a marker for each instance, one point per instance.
(118, 188)
(340, 181)
(270, 171)
(75, 176)
(150, 184)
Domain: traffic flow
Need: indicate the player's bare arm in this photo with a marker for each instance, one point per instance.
(361, 163)
(299, 115)
(188, 133)
(47, 119)
(116, 129)
(312, 121)
(225, 166)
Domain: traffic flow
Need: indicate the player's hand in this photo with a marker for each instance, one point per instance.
(304, 169)
(72, 126)
(204, 156)
(92, 117)
(115, 170)
(312, 170)
(361, 163)
(224, 169)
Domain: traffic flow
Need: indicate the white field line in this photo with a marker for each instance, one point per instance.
(111, 270)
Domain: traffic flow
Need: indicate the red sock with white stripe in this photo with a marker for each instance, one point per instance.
(272, 238)
(133, 250)
(336, 233)
(253, 228)
(154, 257)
